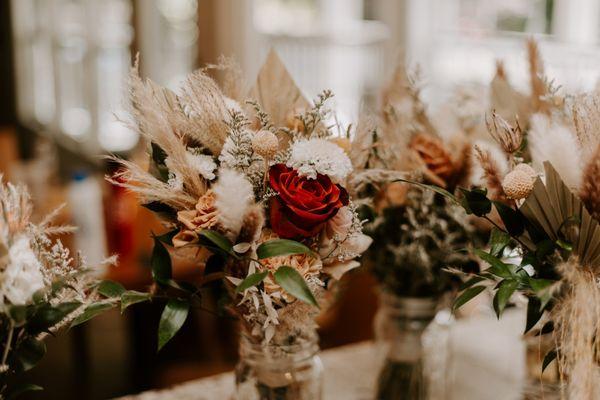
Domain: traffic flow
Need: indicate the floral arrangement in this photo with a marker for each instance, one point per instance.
(416, 233)
(254, 190)
(43, 288)
(546, 241)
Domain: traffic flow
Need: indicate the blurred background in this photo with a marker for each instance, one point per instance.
(62, 78)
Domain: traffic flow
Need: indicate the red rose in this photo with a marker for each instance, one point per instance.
(302, 206)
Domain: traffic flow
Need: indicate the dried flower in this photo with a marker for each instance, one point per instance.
(319, 156)
(265, 144)
(234, 196)
(203, 216)
(22, 276)
(508, 137)
(437, 162)
(517, 184)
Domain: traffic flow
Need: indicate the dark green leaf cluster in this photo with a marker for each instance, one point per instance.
(414, 243)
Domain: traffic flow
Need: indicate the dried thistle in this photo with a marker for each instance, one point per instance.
(510, 138)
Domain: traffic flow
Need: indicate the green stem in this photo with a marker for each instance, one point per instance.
(8, 342)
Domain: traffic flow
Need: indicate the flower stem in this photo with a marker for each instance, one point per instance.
(8, 343)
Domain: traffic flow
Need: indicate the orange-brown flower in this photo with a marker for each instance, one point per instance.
(437, 161)
(203, 216)
(306, 265)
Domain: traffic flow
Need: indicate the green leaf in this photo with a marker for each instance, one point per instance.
(505, 290)
(161, 262)
(171, 320)
(281, 247)
(564, 245)
(472, 281)
(18, 314)
(497, 267)
(498, 241)
(92, 311)
(23, 388)
(167, 238)
(251, 280)
(534, 313)
(110, 289)
(218, 240)
(467, 295)
(475, 201)
(131, 297)
(30, 352)
(46, 316)
(542, 289)
(550, 356)
(512, 219)
(293, 283)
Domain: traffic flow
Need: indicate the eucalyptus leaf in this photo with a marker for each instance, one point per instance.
(22, 389)
(110, 289)
(131, 297)
(550, 356)
(161, 262)
(497, 267)
(172, 319)
(511, 218)
(218, 240)
(30, 352)
(251, 280)
(92, 311)
(467, 295)
(475, 201)
(503, 294)
(293, 283)
(498, 241)
(534, 313)
(281, 247)
(47, 315)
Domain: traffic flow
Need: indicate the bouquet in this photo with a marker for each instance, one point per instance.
(43, 288)
(546, 241)
(416, 233)
(253, 190)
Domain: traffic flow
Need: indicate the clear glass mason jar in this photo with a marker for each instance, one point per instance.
(279, 372)
(399, 325)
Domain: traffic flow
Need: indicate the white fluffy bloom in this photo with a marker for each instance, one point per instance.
(22, 276)
(234, 195)
(549, 141)
(203, 164)
(319, 156)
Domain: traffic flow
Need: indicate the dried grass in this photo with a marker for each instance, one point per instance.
(577, 321)
(492, 174)
(590, 185)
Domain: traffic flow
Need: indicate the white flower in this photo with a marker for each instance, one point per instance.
(234, 196)
(22, 276)
(203, 164)
(319, 156)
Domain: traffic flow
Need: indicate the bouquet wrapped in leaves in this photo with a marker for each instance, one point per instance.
(43, 288)
(252, 185)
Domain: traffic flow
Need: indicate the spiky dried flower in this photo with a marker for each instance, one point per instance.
(509, 137)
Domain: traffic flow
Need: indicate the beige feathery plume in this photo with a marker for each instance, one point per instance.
(276, 92)
(536, 76)
(148, 188)
(506, 100)
(396, 89)
(590, 185)
(492, 174)
(586, 121)
(232, 79)
(159, 120)
(204, 106)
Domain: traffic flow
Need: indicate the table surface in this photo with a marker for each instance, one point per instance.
(486, 361)
(344, 378)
